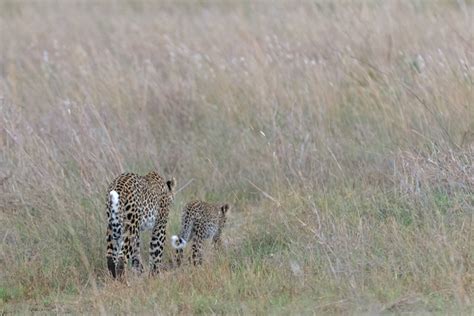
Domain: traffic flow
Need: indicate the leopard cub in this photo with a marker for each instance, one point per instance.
(200, 221)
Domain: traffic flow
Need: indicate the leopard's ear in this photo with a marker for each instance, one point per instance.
(171, 184)
(225, 208)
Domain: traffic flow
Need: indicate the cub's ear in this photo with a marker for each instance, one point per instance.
(171, 184)
(225, 208)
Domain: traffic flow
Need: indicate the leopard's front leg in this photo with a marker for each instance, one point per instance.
(157, 242)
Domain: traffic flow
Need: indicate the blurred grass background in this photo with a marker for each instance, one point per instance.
(341, 133)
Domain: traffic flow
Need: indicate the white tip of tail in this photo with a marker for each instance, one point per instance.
(114, 199)
(177, 243)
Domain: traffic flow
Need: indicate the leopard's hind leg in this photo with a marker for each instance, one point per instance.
(137, 265)
(111, 254)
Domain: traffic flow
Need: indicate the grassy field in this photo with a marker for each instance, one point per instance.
(342, 133)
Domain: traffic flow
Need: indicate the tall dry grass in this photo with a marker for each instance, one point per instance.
(341, 133)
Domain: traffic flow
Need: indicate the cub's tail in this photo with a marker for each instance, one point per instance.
(178, 242)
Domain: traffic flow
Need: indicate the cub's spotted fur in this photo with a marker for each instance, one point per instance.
(200, 221)
(136, 203)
